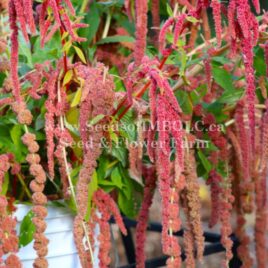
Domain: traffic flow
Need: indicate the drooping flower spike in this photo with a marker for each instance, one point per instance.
(9, 242)
(106, 207)
(216, 9)
(150, 184)
(214, 181)
(141, 8)
(39, 199)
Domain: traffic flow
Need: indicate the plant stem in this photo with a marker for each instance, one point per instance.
(27, 191)
(26, 129)
(107, 25)
(230, 122)
(83, 6)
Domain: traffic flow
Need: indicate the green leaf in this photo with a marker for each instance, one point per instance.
(126, 206)
(127, 127)
(15, 134)
(74, 174)
(5, 184)
(223, 78)
(103, 165)
(96, 119)
(77, 97)
(230, 97)
(169, 10)
(71, 205)
(27, 230)
(192, 19)
(116, 178)
(92, 18)
(116, 39)
(220, 59)
(73, 129)
(259, 62)
(2, 79)
(184, 101)
(67, 46)
(120, 153)
(51, 51)
(39, 122)
(114, 3)
(24, 50)
(183, 62)
(206, 164)
(129, 185)
(80, 54)
(68, 77)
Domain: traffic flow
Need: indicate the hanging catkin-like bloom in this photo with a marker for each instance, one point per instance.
(14, 50)
(216, 9)
(214, 181)
(150, 184)
(225, 218)
(106, 207)
(110, 206)
(188, 237)
(156, 19)
(242, 12)
(208, 72)
(256, 4)
(188, 241)
(171, 246)
(8, 238)
(243, 249)
(141, 8)
(163, 169)
(98, 94)
(246, 184)
(21, 11)
(89, 165)
(264, 140)
(136, 152)
(165, 109)
(24, 115)
(231, 18)
(243, 139)
(261, 219)
(235, 143)
(28, 13)
(20, 17)
(193, 199)
(49, 119)
(162, 35)
(248, 35)
(260, 179)
(39, 199)
(16, 12)
(178, 27)
(247, 48)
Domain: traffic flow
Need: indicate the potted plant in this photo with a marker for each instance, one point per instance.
(93, 121)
